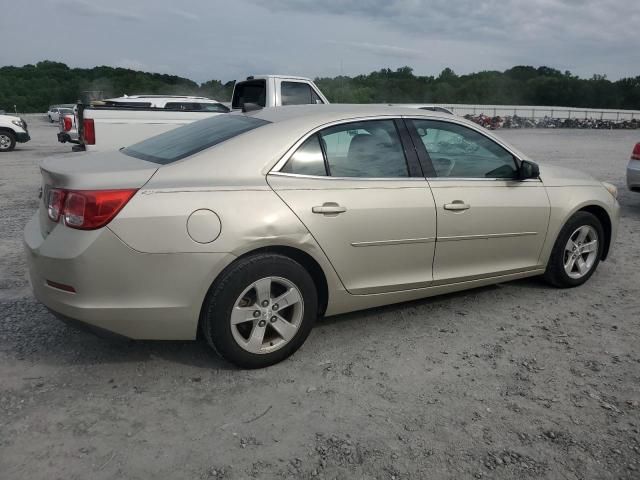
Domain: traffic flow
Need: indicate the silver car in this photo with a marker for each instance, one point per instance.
(249, 226)
(633, 169)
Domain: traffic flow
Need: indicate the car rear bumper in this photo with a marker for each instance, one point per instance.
(633, 175)
(117, 289)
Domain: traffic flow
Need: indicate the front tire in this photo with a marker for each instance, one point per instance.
(7, 141)
(260, 310)
(577, 251)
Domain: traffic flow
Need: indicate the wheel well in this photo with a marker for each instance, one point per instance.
(310, 265)
(7, 129)
(602, 215)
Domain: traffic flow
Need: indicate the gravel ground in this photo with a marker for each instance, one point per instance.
(514, 381)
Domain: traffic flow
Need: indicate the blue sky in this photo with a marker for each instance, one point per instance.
(205, 39)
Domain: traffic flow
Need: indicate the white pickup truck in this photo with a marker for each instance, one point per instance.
(116, 123)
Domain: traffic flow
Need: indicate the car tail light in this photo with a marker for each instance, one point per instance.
(635, 155)
(55, 203)
(66, 123)
(86, 209)
(89, 131)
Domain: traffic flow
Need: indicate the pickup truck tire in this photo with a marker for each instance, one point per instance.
(7, 141)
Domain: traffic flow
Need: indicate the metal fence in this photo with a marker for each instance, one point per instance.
(540, 112)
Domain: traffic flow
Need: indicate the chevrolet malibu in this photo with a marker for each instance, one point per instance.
(247, 227)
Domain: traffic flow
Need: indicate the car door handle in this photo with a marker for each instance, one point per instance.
(457, 206)
(329, 208)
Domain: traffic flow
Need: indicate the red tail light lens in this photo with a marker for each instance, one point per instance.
(86, 209)
(92, 209)
(89, 131)
(66, 123)
(635, 155)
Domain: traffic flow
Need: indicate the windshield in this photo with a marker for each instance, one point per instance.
(192, 138)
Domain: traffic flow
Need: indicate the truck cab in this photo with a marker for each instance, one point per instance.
(275, 90)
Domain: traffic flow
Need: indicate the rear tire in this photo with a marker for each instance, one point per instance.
(7, 141)
(577, 251)
(260, 310)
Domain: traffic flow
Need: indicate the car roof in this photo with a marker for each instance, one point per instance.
(262, 147)
(314, 115)
(284, 77)
(159, 99)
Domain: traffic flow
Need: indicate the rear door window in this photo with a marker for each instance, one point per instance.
(296, 93)
(307, 160)
(192, 138)
(110, 103)
(368, 149)
(187, 106)
(251, 91)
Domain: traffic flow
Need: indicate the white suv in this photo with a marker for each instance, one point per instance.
(176, 102)
(12, 129)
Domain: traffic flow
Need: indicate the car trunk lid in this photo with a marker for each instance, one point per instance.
(92, 171)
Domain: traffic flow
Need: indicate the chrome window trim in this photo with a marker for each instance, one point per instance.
(285, 158)
(472, 126)
(365, 179)
(275, 170)
(476, 179)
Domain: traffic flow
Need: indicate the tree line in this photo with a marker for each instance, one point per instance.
(32, 88)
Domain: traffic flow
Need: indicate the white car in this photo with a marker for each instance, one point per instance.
(12, 130)
(56, 110)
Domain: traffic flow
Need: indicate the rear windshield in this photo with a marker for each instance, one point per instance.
(251, 91)
(192, 138)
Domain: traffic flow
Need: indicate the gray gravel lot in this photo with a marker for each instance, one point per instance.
(509, 382)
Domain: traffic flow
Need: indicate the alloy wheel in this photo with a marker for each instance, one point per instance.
(581, 252)
(267, 315)
(5, 142)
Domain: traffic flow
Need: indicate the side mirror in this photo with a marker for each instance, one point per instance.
(528, 170)
(250, 107)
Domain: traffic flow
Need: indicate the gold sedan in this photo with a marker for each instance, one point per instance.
(249, 226)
